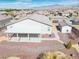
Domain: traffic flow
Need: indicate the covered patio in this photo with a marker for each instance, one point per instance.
(30, 37)
(24, 37)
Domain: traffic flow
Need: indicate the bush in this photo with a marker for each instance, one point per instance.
(78, 43)
(69, 45)
(53, 55)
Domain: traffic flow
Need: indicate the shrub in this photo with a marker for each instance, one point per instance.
(69, 45)
(52, 55)
(78, 43)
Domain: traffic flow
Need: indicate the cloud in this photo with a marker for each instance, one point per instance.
(24, 0)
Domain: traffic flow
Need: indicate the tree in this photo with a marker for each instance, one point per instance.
(60, 14)
(70, 14)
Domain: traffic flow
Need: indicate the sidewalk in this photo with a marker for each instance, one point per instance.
(3, 38)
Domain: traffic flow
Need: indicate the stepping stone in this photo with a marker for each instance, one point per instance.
(13, 57)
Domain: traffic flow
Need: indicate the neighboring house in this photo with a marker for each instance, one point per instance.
(68, 22)
(57, 19)
(34, 25)
(64, 28)
(75, 29)
(4, 20)
(65, 14)
(75, 22)
(75, 26)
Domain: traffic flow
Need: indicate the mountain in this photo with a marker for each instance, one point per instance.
(47, 7)
(55, 6)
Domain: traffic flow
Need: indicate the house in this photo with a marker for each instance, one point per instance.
(75, 22)
(34, 25)
(75, 26)
(57, 18)
(65, 14)
(75, 29)
(65, 28)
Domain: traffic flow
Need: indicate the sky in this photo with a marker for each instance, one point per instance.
(34, 3)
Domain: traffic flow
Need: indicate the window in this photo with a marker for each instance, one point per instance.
(33, 35)
(67, 30)
(48, 28)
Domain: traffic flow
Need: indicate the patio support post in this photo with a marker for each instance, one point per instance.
(17, 36)
(40, 36)
(28, 36)
(7, 36)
